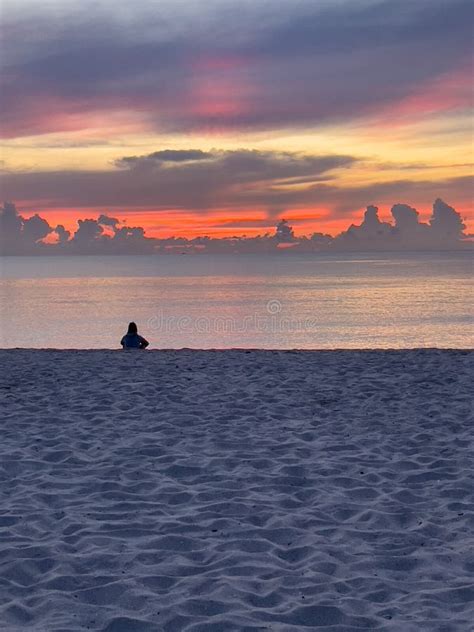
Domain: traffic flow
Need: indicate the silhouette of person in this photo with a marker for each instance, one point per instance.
(132, 340)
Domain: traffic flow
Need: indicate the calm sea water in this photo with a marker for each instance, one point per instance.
(272, 301)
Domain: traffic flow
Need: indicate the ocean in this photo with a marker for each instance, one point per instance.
(282, 301)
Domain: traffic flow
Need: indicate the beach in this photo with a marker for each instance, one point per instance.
(236, 490)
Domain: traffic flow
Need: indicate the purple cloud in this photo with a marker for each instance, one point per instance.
(308, 63)
(205, 180)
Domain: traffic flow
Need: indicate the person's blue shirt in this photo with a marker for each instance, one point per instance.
(134, 341)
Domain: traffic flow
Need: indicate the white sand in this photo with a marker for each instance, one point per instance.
(234, 490)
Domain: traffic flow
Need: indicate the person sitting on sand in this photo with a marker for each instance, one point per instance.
(132, 340)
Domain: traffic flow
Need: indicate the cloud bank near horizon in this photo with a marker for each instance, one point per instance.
(107, 235)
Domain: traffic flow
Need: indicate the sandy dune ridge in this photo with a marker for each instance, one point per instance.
(236, 491)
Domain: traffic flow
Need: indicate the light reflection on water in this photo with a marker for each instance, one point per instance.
(388, 301)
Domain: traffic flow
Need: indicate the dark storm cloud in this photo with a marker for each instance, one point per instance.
(223, 179)
(179, 155)
(216, 180)
(164, 156)
(305, 63)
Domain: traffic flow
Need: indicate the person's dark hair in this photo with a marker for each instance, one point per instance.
(132, 328)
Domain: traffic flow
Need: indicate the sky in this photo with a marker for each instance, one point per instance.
(222, 117)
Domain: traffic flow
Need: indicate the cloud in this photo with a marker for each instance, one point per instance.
(158, 158)
(446, 222)
(105, 220)
(445, 230)
(88, 232)
(284, 233)
(229, 181)
(204, 180)
(19, 235)
(35, 228)
(344, 199)
(91, 238)
(306, 64)
(62, 233)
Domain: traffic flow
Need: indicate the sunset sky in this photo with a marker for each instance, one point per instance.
(221, 117)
